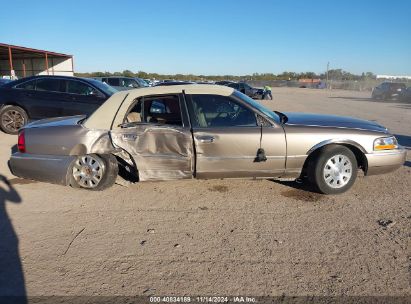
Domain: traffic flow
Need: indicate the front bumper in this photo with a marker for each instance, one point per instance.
(384, 162)
(45, 168)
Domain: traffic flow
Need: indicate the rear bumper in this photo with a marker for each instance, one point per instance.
(384, 162)
(46, 168)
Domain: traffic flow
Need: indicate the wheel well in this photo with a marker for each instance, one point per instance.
(359, 155)
(127, 167)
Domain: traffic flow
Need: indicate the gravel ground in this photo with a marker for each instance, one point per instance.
(216, 237)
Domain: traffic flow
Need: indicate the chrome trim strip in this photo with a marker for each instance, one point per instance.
(236, 157)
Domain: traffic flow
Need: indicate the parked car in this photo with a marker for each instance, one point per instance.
(171, 83)
(4, 81)
(405, 95)
(201, 131)
(224, 82)
(149, 82)
(38, 97)
(247, 89)
(123, 83)
(388, 90)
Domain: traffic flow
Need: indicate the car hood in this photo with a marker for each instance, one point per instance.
(56, 121)
(320, 120)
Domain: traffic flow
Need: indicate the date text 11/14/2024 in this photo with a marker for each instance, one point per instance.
(201, 299)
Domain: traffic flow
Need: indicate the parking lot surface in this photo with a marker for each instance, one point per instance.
(217, 237)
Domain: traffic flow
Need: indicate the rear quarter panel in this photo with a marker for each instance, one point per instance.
(67, 140)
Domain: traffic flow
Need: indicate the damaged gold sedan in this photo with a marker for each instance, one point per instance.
(201, 131)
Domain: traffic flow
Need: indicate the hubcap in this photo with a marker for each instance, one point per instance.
(12, 120)
(88, 171)
(337, 171)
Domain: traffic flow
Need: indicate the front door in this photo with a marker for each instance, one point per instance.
(81, 98)
(227, 138)
(155, 135)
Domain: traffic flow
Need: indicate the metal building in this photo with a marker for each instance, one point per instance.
(18, 62)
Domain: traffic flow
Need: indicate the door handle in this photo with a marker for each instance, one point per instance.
(205, 138)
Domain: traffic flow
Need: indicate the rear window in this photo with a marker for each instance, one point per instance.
(29, 85)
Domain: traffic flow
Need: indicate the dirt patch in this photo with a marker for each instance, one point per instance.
(218, 188)
(21, 181)
(302, 195)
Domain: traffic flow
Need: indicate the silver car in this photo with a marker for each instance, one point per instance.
(202, 131)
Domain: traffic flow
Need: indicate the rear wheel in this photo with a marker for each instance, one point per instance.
(12, 118)
(334, 170)
(93, 172)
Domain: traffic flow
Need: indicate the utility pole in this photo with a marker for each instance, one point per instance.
(328, 66)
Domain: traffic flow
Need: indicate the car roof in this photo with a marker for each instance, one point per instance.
(104, 116)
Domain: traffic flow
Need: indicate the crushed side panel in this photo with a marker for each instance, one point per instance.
(160, 152)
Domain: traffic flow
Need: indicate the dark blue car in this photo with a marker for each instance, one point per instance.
(39, 97)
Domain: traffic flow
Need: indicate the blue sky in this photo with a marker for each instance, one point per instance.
(217, 37)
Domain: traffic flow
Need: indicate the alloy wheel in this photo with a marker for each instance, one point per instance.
(12, 120)
(337, 171)
(88, 171)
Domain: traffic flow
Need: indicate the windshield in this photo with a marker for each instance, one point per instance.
(257, 105)
(103, 86)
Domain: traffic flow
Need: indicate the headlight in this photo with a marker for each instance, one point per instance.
(385, 143)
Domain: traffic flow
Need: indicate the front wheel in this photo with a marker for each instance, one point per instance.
(334, 170)
(93, 172)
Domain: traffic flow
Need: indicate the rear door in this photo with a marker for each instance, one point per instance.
(47, 100)
(157, 135)
(227, 138)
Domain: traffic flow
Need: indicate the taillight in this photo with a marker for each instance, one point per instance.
(21, 142)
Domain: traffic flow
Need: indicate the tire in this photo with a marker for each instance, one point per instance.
(12, 118)
(93, 172)
(330, 179)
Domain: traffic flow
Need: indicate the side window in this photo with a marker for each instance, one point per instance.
(113, 82)
(220, 111)
(50, 85)
(29, 85)
(79, 88)
(234, 86)
(156, 110)
(162, 110)
(128, 83)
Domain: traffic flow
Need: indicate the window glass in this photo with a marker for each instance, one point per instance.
(158, 106)
(51, 85)
(113, 81)
(234, 86)
(29, 85)
(77, 87)
(220, 111)
(128, 83)
(162, 110)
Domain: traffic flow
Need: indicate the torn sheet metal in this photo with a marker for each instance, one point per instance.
(160, 152)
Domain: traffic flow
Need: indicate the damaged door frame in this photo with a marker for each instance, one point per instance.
(158, 151)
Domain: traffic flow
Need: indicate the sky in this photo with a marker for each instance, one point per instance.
(217, 37)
